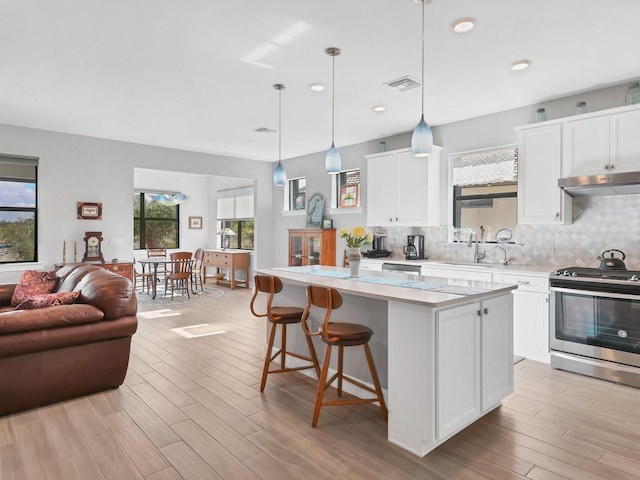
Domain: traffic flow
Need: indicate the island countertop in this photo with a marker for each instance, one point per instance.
(427, 291)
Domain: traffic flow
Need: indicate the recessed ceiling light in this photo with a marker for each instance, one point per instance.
(463, 25)
(378, 108)
(251, 142)
(521, 65)
(316, 87)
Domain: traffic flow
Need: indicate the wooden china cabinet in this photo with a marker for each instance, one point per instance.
(312, 246)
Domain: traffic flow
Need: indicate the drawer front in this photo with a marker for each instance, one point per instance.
(524, 282)
(474, 275)
(217, 259)
(121, 269)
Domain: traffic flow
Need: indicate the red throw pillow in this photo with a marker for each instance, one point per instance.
(49, 300)
(33, 282)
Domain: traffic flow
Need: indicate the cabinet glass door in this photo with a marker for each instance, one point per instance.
(295, 250)
(313, 250)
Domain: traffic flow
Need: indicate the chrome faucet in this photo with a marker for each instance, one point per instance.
(505, 260)
(476, 255)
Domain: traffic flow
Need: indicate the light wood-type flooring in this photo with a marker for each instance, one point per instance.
(191, 409)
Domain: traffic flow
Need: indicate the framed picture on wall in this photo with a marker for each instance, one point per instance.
(349, 196)
(195, 222)
(89, 211)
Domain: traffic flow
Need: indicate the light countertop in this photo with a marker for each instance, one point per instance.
(391, 286)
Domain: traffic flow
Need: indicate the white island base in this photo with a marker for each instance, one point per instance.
(448, 357)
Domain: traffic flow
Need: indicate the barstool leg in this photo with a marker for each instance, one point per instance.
(340, 370)
(314, 357)
(321, 386)
(267, 357)
(376, 381)
(283, 346)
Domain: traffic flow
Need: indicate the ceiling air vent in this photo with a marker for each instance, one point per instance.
(403, 84)
(264, 130)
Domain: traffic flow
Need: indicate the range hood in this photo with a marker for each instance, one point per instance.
(598, 185)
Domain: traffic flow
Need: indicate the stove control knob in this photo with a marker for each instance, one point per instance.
(634, 278)
(574, 274)
(566, 273)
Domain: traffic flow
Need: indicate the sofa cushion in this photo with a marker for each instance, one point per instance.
(46, 318)
(49, 300)
(33, 282)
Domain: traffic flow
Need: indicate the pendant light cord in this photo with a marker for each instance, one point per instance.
(333, 99)
(423, 57)
(279, 124)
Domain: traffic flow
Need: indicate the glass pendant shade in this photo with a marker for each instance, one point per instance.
(333, 161)
(422, 139)
(279, 176)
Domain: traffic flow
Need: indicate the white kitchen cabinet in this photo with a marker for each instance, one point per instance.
(601, 144)
(399, 190)
(370, 265)
(540, 200)
(474, 361)
(530, 315)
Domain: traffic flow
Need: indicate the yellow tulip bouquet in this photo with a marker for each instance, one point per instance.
(356, 237)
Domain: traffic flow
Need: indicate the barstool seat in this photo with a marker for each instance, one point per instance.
(283, 316)
(340, 334)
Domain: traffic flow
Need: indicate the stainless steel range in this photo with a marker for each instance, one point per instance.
(595, 322)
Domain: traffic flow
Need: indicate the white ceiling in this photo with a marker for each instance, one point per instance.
(199, 74)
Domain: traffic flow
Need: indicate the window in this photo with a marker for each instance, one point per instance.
(294, 194)
(18, 209)
(235, 211)
(346, 189)
(485, 192)
(155, 225)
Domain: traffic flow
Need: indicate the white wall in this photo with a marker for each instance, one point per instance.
(75, 168)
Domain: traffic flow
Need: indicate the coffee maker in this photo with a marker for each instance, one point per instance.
(414, 249)
(379, 247)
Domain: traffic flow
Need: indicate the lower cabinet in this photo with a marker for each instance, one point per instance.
(530, 316)
(474, 361)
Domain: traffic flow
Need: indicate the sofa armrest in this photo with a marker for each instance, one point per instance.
(15, 321)
(6, 292)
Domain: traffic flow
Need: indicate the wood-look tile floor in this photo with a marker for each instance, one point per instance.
(191, 409)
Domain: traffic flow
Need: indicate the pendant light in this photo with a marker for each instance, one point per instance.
(279, 175)
(422, 138)
(333, 162)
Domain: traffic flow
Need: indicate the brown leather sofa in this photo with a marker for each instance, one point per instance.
(60, 352)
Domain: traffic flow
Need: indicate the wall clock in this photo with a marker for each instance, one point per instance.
(93, 247)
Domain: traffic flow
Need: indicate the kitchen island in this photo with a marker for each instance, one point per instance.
(443, 347)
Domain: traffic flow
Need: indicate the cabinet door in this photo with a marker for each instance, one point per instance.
(296, 247)
(625, 142)
(540, 200)
(412, 189)
(497, 350)
(313, 244)
(457, 368)
(586, 147)
(531, 325)
(382, 194)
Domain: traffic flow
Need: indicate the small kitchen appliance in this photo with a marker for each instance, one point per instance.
(414, 249)
(379, 247)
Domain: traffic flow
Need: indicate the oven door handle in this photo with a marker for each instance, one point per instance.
(593, 293)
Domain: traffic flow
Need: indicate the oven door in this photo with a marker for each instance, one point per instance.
(595, 324)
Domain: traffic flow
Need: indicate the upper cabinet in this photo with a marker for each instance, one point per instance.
(540, 200)
(403, 190)
(601, 144)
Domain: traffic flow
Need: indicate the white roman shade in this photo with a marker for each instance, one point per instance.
(236, 203)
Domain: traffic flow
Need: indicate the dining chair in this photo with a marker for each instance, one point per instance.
(144, 276)
(283, 316)
(341, 335)
(153, 252)
(179, 272)
(196, 271)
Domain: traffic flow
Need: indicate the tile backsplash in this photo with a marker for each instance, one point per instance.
(599, 224)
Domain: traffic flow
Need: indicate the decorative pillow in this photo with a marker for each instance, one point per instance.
(49, 300)
(33, 282)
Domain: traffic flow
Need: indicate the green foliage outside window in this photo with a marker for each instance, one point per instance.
(154, 225)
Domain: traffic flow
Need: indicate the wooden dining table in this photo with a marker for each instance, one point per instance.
(153, 263)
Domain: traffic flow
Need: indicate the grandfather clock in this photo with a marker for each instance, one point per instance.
(93, 247)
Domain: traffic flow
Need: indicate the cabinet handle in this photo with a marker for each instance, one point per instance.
(390, 219)
(606, 167)
(522, 282)
(557, 214)
(612, 167)
(479, 313)
(486, 311)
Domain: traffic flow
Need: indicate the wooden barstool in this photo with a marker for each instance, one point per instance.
(280, 316)
(341, 335)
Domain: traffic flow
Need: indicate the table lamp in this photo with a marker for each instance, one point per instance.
(226, 233)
